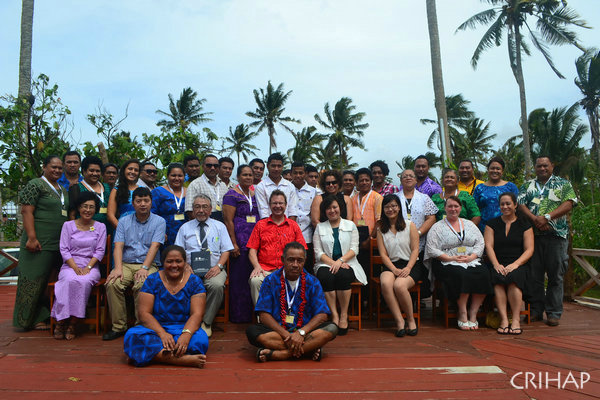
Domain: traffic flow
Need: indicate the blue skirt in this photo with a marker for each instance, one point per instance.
(142, 344)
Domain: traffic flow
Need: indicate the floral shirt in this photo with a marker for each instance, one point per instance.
(543, 199)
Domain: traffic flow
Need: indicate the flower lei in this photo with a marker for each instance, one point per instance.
(283, 300)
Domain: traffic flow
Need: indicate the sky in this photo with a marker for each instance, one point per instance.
(133, 53)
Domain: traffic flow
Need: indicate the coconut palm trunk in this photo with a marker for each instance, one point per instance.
(518, 73)
(25, 52)
(438, 81)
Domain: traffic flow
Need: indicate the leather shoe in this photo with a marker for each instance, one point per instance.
(412, 332)
(112, 335)
(401, 332)
(552, 321)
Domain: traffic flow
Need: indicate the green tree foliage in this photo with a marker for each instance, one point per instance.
(184, 113)
(30, 130)
(588, 81)
(458, 112)
(239, 142)
(475, 143)
(308, 142)
(512, 154)
(553, 20)
(347, 129)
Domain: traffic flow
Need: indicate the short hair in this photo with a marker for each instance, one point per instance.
(363, 171)
(310, 168)
(87, 196)
(497, 159)
(226, 159)
(298, 164)
(292, 245)
(49, 159)
(275, 157)
(145, 163)
(422, 157)
(349, 172)
(544, 156)
(466, 160)
(141, 191)
(71, 153)
(207, 156)
(326, 203)
(381, 164)
(170, 248)
(256, 160)
(173, 166)
(202, 196)
(326, 174)
(277, 192)
(455, 199)
(286, 171)
(110, 165)
(241, 168)
(446, 170)
(91, 160)
(189, 158)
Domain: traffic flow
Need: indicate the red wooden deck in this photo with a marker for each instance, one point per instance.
(371, 364)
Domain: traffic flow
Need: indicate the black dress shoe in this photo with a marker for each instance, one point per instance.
(412, 332)
(342, 331)
(401, 332)
(112, 335)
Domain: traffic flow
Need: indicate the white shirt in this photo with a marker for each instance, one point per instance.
(217, 239)
(306, 194)
(263, 191)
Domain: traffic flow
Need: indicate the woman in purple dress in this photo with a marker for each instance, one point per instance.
(82, 246)
(240, 214)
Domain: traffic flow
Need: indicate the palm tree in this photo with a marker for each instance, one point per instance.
(269, 110)
(438, 80)
(240, 142)
(552, 18)
(25, 51)
(345, 126)
(512, 154)
(588, 81)
(557, 134)
(186, 111)
(475, 143)
(458, 113)
(308, 141)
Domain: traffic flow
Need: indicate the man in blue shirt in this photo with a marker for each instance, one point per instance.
(301, 328)
(137, 241)
(205, 233)
(71, 164)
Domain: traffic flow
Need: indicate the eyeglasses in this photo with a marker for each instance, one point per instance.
(211, 165)
(391, 207)
(87, 207)
(330, 183)
(151, 171)
(407, 177)
(201, 206)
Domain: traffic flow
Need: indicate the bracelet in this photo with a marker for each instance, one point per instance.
(186, 331)
(89, 266)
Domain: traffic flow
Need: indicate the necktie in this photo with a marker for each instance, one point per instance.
(202, 225)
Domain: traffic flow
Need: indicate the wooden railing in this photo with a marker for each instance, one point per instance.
(579, 256)
(13, 260)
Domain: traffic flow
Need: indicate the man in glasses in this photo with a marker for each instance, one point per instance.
(148, 175)
(210, 185)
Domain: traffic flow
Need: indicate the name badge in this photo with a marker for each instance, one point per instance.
(408, 215)
(444, 216)
(462, 250)
(179, 217)
(103, 210)
(251, 219)
(536, 200)
(200, 261)
(63, 213)
(361, 222)
(218, 207)
(289, 319)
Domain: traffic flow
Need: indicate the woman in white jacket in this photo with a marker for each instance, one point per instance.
(336, 246)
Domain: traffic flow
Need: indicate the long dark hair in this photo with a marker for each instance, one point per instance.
(122, 187)
(384, 222)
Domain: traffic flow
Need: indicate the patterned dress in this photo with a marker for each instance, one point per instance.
(172, 312)
(240, 301)
(163, 204)
(487, 200)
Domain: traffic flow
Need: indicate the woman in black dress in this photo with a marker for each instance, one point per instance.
(509, 245)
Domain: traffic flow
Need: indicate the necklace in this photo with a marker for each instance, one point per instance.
(174, 288)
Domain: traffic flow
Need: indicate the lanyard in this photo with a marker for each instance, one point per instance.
(249, 198)
(290, 293)
(197, 232)
(215, 189)
(177, 203)
(100, 196)
(365, 200)
(543, 188)
(461, 235)
(61, 194)
(409, 205)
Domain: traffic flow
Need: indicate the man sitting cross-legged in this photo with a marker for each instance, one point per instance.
(292, 311)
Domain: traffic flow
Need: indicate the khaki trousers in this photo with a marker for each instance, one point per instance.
(255, 284)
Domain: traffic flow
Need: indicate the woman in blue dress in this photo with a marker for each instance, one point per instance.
(170, 307)
(168, 201)
(119, 202)
(486, 194)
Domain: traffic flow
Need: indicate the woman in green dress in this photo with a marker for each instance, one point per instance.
(92, 170)
(44, 205)
(469, 208)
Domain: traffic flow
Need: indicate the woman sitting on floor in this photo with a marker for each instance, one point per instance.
(398, 244)
(509, 245)
(454, 248)
(171, 306)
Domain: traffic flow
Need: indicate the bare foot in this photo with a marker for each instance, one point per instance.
(343, 321)
(412, 324)
(317, 355)
(264, 355)
(186, 360)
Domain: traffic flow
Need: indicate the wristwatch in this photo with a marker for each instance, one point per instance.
(302, 332)
(548, 217)
(221, 266)
(145, 267)
(89, 267)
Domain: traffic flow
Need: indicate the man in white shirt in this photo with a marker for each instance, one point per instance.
(274, 181)
(200, 237)
(306, 195)
(210, 185)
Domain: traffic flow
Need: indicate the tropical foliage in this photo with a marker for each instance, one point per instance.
(588, 81)
(184, 113)
(239, 141)
(308, 142)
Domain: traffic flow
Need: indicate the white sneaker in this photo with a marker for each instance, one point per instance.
(207, 329)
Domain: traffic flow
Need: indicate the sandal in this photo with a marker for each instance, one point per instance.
(267, 356)
(70, 332)
(503, 330)
(464, 326)
(42, 326)
(59, 330)
(317, 355)
(473, 325)
(515, 331)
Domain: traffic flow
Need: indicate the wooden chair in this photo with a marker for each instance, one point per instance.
(98, 292)
(355, 306)
(223, 313)
(415, 291)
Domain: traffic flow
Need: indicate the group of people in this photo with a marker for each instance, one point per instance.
(293, 248)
